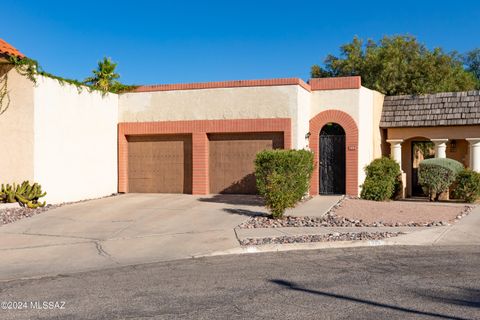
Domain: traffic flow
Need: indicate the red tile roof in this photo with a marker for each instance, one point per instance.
(6, 48)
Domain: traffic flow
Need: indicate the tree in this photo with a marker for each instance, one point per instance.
(104, 77)
(472, 63)
(398, 65)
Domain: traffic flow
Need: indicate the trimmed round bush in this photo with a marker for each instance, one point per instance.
(467, 185)
(377, 190)
(283, 178)
(382, 180)
(437, 175)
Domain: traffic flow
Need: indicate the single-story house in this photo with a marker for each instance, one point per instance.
(201, 138)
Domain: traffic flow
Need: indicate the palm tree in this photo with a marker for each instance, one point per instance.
(104, 77)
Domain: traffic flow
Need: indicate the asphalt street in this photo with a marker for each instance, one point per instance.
(357, 283)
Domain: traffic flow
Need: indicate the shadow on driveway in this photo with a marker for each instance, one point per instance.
(235, 199)
(244, 212)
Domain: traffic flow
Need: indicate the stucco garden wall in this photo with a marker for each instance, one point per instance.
(379, 144)
(357, 104)
(301, 127)
(16, 130)
(365, 131)
(345, 100)
(259, 102)
(75, 149)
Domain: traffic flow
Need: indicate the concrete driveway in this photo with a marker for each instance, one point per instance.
(120, 230)
(128, 229)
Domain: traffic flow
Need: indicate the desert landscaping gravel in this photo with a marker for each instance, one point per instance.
(361, 213)
(318, 238)
(9, 215)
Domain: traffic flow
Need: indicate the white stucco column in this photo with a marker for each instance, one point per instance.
(440, 147)
(396, 150)
(474, 153)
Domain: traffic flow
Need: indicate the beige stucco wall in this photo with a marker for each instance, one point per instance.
(302, 119)
(365, 131)
(16, 130)
(365, 107)
(377, 134)
(215, 104)
(75, 148)
(346, 100)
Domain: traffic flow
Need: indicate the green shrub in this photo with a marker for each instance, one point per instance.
(382, 180)
(467, 185)
(377, 190)
(283, 178)
(437, 175)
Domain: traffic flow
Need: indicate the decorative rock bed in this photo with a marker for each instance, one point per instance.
(331, 219)
(12, 213)
(318, 238)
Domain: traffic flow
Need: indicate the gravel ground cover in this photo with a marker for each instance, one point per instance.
(318, 238)
(361, 213)
(9, 215)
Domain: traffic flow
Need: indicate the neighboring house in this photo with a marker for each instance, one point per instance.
(450, 120)
(202, 138)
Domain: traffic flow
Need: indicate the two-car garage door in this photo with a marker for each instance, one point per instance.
(163, 163)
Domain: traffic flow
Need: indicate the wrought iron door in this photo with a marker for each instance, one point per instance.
(332, 164)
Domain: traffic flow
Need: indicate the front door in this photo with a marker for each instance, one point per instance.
(420, 150)
(332, 159)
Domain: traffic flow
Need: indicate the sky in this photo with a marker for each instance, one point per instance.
(157, 42)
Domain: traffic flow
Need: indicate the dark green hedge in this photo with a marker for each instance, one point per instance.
(382, 180)
(283, 178)
(437, 175)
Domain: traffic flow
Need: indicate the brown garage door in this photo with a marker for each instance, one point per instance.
(232, 159)
(160, 164)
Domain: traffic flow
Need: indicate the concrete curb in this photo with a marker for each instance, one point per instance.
(423, 237)
(302, 246)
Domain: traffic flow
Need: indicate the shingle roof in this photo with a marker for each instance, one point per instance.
(439, 109)
(6, 48)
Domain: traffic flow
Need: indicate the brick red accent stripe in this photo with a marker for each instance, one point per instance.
(224, 84)
(351, 145)
(336, 83)
(200, 159)
(199, 130)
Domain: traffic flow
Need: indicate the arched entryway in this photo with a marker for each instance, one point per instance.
(332, 159)
(350, 128)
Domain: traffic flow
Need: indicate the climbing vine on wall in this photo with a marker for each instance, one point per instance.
(30, 68)
(4, 97)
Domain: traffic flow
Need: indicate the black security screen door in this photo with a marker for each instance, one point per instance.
(332, 159)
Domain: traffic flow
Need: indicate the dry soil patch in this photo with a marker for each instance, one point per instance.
(398, 211)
